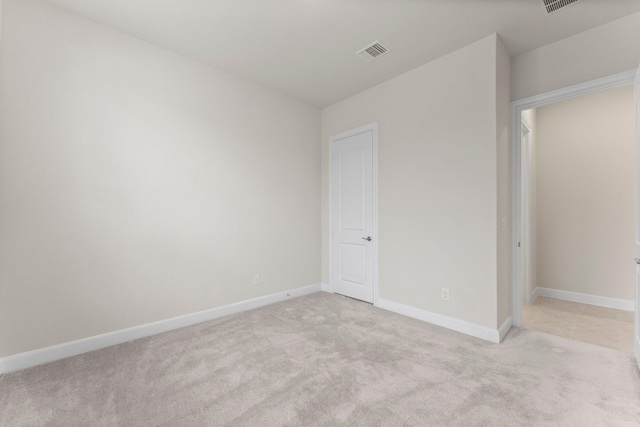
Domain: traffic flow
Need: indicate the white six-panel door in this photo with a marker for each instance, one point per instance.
(352, 214)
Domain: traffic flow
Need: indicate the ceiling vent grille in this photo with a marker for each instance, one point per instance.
(374, 51)
(556, 5)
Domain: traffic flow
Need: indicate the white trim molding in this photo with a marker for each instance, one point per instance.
(620, 304)
(517, 107)
(592, 86)
(534, 294)
(467, 328)
(85, 345)
(504, 328)
(325, 287)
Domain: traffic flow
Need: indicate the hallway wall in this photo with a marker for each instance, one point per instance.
(585, 149)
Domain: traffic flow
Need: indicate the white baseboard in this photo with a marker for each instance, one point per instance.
(325, 287)
(504, 328)
(535, 294)
(85, 345)
(621, 304)
(468, 328)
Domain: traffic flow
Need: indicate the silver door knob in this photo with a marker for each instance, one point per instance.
(368, 239)
(637, 260)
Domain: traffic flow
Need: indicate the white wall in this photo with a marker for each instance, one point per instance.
(531, 261)
(585, 151)
(602, 51)
(438, 180)
(137, 185)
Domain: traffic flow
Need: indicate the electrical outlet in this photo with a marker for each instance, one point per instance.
(256, 279)
(445, 294)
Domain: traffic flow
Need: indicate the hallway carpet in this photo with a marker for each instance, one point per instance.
(327, 360)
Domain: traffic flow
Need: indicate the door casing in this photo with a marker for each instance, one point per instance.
(525, 228)
(636, 319)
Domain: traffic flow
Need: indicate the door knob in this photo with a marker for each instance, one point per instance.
(368, 239)
(637, 260)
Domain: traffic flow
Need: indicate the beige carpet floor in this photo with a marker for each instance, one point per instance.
(327, 360)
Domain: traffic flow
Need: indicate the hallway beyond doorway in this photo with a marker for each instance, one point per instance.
(606, 327)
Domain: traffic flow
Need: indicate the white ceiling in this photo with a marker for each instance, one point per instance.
(306, 48)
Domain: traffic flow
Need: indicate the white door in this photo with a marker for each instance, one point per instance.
(637, 317)
(352, 213)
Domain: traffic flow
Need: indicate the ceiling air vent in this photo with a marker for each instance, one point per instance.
(556, 5)
(374, 51)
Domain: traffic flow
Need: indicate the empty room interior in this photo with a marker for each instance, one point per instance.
(303, 212)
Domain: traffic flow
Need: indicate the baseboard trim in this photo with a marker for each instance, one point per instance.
(620, 304)
(61, 351)
(325, 287)
(534, 294)
(505, 328)
(452, 323)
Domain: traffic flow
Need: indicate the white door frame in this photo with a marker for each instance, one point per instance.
(373, 128)
(636, 317)
(525, 224)
(517, 107)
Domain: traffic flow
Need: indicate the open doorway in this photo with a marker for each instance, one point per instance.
(575, 217)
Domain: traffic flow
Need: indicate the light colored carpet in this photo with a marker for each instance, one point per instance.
(327, 360)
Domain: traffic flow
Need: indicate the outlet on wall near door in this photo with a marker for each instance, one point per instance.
(445, 294)
(256, 279)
